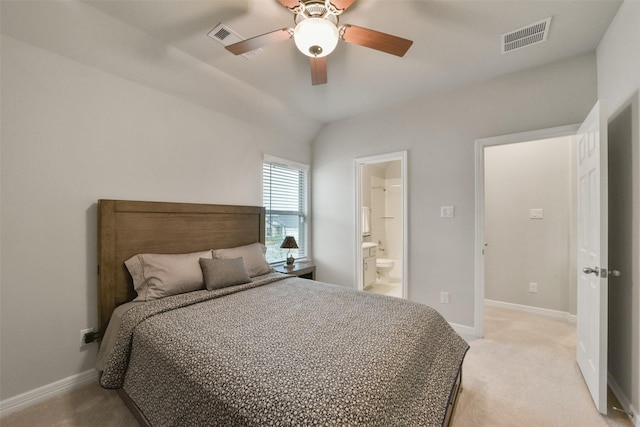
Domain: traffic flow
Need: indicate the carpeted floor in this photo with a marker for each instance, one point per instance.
(523, 373)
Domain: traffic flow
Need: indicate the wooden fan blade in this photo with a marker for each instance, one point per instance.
(376, 40)
(342, 4)
(290, 4)
(259, 41)
(318, 71)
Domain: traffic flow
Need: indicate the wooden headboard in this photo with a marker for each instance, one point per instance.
(127, 228)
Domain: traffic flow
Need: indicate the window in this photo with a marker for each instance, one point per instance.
(285, 194)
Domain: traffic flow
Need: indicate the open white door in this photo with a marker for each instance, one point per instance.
(592, 254)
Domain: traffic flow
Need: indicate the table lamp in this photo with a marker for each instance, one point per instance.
(289, 243)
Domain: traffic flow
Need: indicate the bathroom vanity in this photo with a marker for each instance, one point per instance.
(369, 253)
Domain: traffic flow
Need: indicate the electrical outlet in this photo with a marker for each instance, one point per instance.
(444, 297)
(83, 332)
(533, 288)
(446, 212)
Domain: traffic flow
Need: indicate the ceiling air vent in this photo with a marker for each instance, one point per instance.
(226, 36)
(526, 36)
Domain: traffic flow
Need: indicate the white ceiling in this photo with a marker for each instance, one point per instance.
(455, 43)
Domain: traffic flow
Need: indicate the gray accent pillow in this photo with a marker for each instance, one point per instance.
(220, 273)
(160, 275)
(253, 256)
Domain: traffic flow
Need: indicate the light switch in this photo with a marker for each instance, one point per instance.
(446, 212)
(535, 214)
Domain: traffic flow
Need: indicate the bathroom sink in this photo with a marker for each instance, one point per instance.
(369, 249)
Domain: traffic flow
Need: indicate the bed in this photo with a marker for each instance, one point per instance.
(274, 350)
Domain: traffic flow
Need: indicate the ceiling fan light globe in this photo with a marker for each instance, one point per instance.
(316, 37)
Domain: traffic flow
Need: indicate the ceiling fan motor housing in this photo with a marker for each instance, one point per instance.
(316, 9)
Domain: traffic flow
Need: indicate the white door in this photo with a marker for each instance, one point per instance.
(592, 254)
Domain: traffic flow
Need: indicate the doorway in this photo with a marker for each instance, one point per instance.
(594, 221)
(381, 224)
(529, 226)
(481, 238)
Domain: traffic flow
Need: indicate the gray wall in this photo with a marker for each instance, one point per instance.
(519, 177)
(72, 134)
(65, 125)
(439, 133)
(619, 84)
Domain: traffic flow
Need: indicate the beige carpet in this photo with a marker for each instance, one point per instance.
(523, 373)
(90, 406)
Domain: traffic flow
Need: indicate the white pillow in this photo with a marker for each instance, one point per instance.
(160, 275)
(253, 256)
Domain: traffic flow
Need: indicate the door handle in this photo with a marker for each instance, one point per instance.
(589, 270)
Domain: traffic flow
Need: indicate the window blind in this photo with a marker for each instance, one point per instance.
(285, 194)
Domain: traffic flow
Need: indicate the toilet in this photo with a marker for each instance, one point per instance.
(384, 267)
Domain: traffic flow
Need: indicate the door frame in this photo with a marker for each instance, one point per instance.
(381, 158)
(480, 145)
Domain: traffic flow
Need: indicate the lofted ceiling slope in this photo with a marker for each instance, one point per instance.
(456, 43)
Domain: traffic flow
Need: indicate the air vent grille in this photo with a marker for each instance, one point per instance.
(526, 36)
(226, 36)
(222, 33)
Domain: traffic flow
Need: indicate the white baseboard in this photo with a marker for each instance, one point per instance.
(466, 332)
(624, 401)
(571, 318)
(46, 392)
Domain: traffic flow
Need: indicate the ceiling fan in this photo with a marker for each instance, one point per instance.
(316, 34)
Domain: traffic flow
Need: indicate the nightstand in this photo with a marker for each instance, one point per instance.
(304, 269)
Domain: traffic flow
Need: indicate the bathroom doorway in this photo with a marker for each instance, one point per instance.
(381, 219)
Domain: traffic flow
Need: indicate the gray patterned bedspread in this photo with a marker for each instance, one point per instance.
(285, 351)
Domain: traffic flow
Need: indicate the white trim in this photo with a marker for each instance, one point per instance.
(380, 158)
(624, 401)
(268, 158)
(480, 145)
(466, 332)
(571, 318)
(47, 392)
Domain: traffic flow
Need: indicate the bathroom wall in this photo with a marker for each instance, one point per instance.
(386, 211)
(393, 213)
(371, 174)
(366, 173)
(378, 209)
